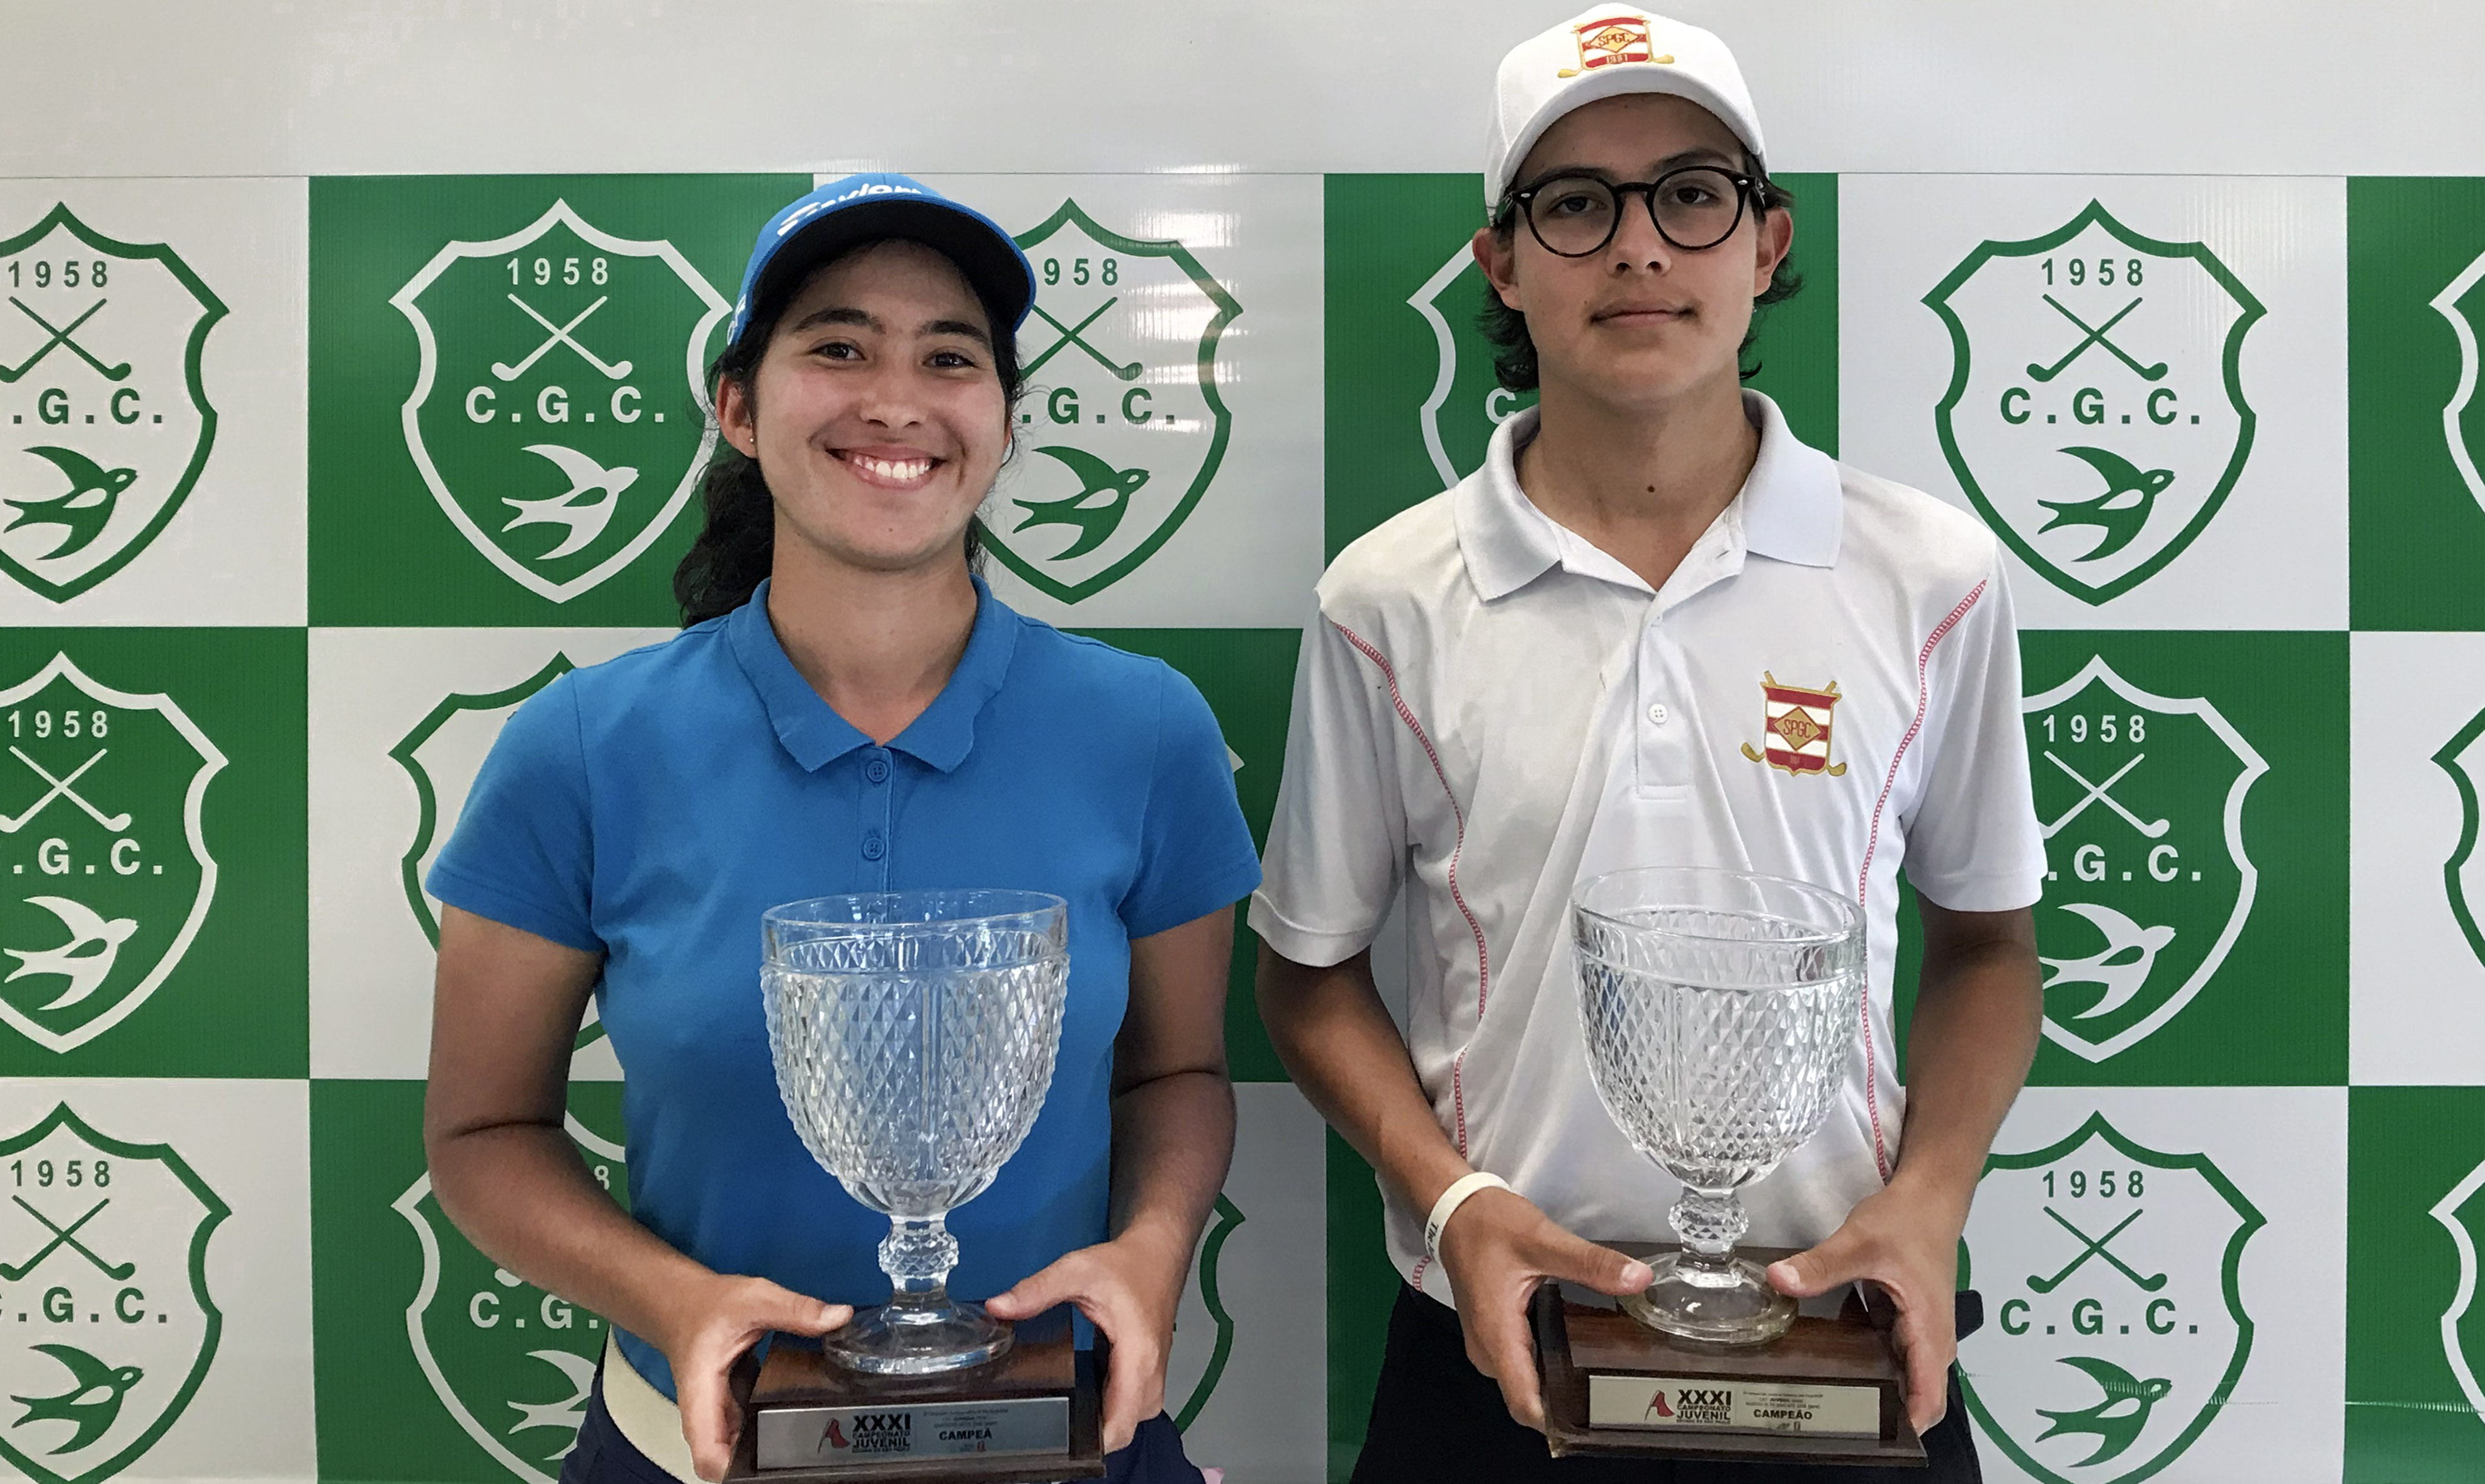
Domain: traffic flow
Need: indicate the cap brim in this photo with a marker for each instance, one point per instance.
(993, 265)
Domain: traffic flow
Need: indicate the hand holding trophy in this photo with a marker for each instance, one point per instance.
(913, 1035)
(1719, 1010)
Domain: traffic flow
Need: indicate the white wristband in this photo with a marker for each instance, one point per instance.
(1452, 1198)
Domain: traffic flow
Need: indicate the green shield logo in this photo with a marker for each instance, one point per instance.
(511, 1363)
(2140, 798)
(2119, 1329)
(1219, 1339)
(2458, 303)
(1467, 402)
(108, 873)
(2095, 414)
(106, 420)
(2461, 1214)
(441, 756)
(559, 414)
(1118, 441)
(106, 1266)
(2463, 875)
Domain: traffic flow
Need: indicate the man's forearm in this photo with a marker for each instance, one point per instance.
(1330, 1027)
(1978, 1011)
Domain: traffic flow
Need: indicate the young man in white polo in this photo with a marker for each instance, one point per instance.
(1654, 628)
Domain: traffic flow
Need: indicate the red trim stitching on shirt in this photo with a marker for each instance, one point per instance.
(1864, 878)
(1484, 961)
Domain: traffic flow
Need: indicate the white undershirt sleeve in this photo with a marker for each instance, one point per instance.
(1338, 841)
(1972, 841)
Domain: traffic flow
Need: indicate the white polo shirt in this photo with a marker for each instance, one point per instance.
(1488, 709)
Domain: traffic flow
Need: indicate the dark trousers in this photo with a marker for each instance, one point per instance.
(603, 1456)
(1436, 1418)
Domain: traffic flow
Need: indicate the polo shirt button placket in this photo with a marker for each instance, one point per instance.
(875, 841)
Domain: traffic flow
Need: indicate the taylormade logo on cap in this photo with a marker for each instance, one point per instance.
(1604, 53)
(810, 208)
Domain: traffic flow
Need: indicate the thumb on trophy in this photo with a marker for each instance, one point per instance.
(1808, 1273)
(1574, 1259)
(1054, 1283)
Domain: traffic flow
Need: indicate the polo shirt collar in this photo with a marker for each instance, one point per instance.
(814, 735)
(1790, 507)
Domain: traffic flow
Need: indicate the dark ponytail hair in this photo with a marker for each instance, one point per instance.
(737, 544)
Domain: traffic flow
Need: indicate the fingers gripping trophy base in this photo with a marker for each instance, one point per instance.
(1718, 1301)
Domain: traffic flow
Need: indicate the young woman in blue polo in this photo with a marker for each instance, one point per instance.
(849, 709)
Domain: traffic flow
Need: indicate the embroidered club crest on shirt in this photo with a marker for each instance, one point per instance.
(1797, 727)
(1614, 39)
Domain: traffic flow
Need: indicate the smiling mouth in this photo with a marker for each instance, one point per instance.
(900, 474)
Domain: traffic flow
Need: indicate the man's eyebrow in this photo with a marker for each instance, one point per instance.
(1701, 154)
(836, 315)
(959, 327)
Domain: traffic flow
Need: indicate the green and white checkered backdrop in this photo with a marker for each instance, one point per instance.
(272, 443)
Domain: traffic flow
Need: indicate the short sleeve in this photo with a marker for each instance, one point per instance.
(523, 854)
(1338, 842)
(1973, 845)
(1195, 851)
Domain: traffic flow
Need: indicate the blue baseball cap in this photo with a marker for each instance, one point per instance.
(870, 207)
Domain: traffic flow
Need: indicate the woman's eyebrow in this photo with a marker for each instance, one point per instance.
(836, 314)
(960, 327)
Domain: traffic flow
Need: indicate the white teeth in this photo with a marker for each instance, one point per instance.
(900, 469)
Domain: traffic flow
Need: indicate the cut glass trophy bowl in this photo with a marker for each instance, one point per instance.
(914, 1035)
(1719, 1009)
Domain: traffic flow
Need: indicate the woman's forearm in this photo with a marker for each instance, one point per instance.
(1173, 1138)
(522, 1196)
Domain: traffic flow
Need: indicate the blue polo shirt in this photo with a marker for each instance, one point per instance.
(649, 809)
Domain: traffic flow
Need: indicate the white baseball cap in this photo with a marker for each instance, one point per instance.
(1603, 53)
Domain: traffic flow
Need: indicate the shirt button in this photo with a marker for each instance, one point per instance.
(1658, 714)
(877, 769)
(873, 848)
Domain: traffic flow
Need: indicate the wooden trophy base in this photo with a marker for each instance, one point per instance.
(1030, 1417)
(1827, 1391)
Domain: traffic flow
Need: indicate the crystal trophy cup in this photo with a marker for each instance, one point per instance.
(1720, 1013)
(914, 1037)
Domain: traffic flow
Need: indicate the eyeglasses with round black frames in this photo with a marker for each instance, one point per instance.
(1693, 208)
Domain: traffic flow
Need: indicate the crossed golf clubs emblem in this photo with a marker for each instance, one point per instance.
(561, 335)
(2095, 1247)
(61, 335)
(1072, 335)
(2097, 794)
(61, 788)
(2096, 336)
(65, 1236)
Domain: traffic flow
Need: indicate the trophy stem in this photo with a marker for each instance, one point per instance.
(1702, 1291)
(921, 1331)
(1710, 1221)
(917, 1255)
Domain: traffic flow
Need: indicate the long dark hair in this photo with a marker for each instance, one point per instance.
(1514, 349)
(737, 544)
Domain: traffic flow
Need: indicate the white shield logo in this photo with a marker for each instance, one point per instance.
(510, 1362)
(108, 874)
(2140, 798)
(539, 415)
(1467, 402)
